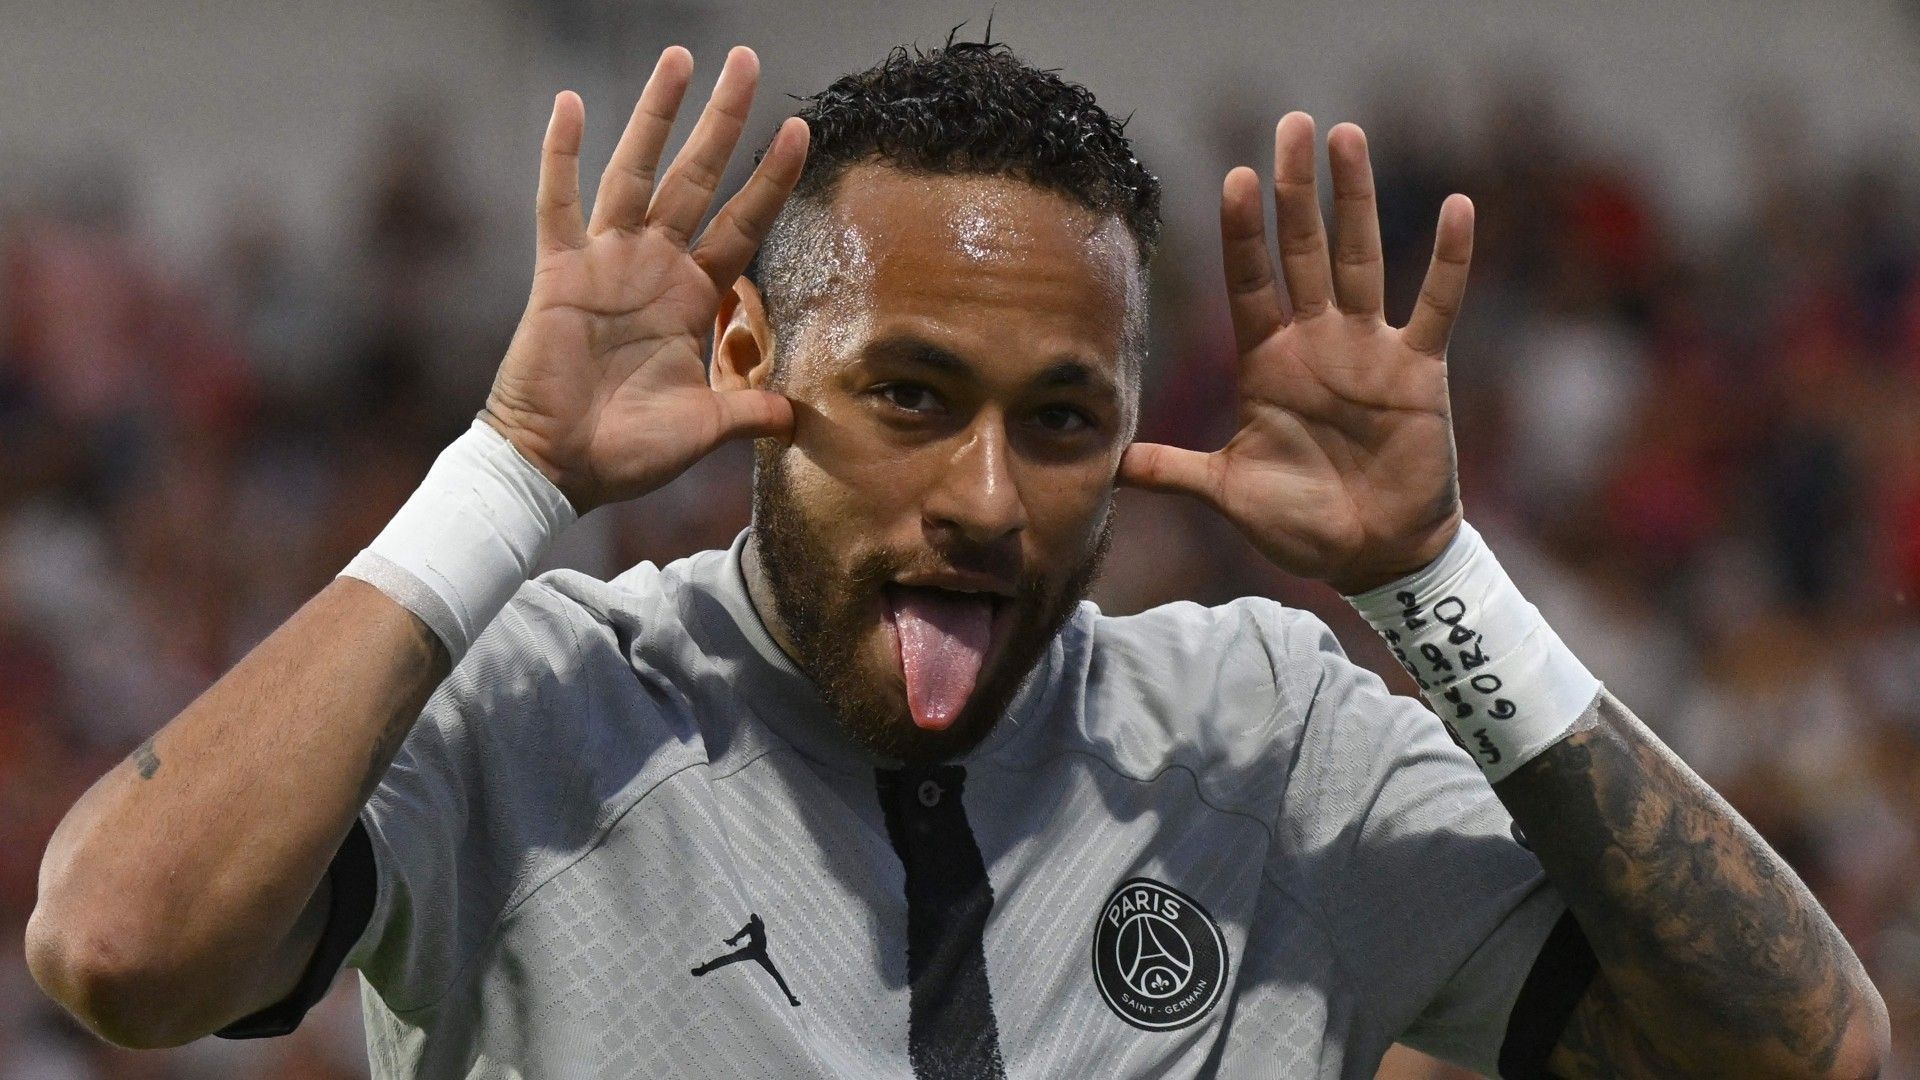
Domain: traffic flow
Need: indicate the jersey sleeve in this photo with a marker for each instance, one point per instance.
(494, 773)
(1454, 940)
(398, 881)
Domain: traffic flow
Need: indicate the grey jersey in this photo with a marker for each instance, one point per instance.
(626, 839)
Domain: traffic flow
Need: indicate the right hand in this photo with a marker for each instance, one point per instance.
(603, 388)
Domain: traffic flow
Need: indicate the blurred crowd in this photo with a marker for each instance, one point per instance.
(1697, 450)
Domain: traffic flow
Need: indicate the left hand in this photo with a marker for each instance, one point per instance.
(1343, 468)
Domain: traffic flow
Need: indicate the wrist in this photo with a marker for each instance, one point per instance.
(1360, 580)
(1503, 682)
(467, 538)
(528, 445)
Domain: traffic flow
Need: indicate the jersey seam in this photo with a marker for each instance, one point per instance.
(467, 700)
(1362, 1002)
(600, 838)
(1198, 791)
(602, 831)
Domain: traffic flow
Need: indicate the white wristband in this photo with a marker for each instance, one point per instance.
(467, 538)
(1500, 678)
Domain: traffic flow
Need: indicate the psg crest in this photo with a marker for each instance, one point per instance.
(1158, 957)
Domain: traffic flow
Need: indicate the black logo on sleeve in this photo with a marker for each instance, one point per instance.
(755, 949)
(1158, 957)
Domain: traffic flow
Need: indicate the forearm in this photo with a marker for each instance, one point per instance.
(1715, 955)
(187, 866)
(1715, 959)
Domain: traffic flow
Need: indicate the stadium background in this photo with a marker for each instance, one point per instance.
(258, 261)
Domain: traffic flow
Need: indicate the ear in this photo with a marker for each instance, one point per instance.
(742, 340)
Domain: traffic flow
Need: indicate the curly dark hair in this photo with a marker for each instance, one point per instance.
(966, 108)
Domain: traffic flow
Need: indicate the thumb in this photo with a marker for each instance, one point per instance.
(1170, 469)
(753, 414)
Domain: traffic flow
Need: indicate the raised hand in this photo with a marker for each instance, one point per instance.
(603, 388)
(1343, 468)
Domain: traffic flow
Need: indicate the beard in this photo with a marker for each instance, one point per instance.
(825, 600)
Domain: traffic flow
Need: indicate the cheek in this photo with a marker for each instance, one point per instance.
(852, 478)
(1067, 504)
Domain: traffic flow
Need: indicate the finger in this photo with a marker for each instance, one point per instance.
(735, 234)
(627, 183)
(753, 414)
(1446, 284)
(1303, 236)
(1359, 280)
(687, 189)
(556, 205)
(1158, 467)
(1252, 295)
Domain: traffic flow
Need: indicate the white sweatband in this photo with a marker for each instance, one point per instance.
(469, 536)
(1500, 678)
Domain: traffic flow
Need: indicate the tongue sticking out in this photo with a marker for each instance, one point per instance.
(943, 639)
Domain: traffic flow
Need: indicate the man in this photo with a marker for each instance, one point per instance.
(985, 830)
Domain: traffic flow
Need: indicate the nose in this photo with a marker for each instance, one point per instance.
(975, 498)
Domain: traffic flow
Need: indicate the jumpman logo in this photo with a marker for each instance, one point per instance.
(755, 949)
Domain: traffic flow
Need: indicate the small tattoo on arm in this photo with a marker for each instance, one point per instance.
(146, 760)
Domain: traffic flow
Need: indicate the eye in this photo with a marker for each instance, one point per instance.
(908, 397)
(1063, 419)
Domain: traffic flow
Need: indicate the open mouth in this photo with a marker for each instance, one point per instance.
(943, 637)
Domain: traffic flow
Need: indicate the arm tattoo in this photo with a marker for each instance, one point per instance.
(1715, 959)
(145, 760)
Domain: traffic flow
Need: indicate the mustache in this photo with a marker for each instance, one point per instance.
(874, 569)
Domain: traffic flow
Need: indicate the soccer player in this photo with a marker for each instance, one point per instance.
(975, 827)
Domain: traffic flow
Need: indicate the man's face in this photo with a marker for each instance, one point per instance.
(962, 394)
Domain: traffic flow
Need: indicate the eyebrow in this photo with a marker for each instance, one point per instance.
(924, 353)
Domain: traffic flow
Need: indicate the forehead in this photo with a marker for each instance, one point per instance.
(994, 264)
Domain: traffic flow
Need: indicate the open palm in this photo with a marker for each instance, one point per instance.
(603, 387)
(1343, 468)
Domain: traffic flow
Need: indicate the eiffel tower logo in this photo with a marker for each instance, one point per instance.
(1156, 958)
